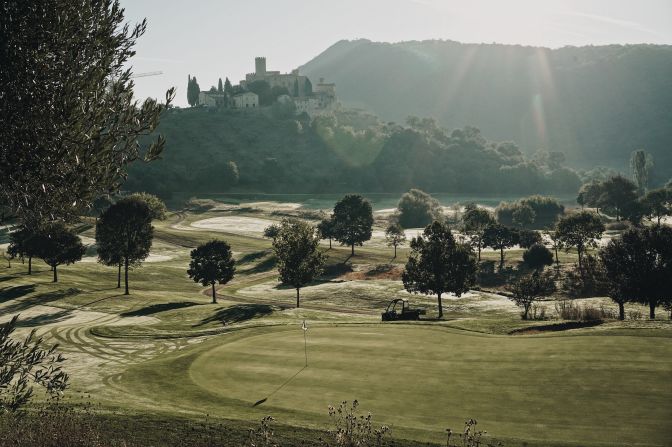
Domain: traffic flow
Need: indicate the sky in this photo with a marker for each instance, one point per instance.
(210, 39)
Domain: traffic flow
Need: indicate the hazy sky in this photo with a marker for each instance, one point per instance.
(213, 38)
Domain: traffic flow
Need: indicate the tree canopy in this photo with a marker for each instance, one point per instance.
(124, 232)
(500, 237)
(353, 221)
(212, 263)
(639, 266)
(59, 245)
(395, 236)
(438, 264)
(69, 128)
(299, 260)
(475, 220)
(417, 209)
(580, 230)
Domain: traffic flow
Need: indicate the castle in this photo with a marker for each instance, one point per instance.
(313, 100)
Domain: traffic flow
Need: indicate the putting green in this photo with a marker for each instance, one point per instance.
(419, 380)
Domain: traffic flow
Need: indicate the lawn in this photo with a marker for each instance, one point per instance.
(420, 379)
(166, 350)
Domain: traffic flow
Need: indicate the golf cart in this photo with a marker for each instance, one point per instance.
(398, 310)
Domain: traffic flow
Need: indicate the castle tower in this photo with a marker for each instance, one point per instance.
(260, 65)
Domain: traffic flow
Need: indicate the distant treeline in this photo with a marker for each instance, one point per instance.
(276, 151)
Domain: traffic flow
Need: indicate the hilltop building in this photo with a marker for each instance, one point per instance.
(299, 89)
(297, 85)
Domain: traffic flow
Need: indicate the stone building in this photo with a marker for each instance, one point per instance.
(297, 85)
(246, 100)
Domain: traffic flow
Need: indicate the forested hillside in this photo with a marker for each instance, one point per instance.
(595, 104)
(270, 150)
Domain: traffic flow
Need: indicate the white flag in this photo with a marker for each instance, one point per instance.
(304, 326)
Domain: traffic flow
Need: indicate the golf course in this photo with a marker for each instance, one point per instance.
(166, 349)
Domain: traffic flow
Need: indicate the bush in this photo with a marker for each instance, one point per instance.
(527, 238)
(537, 257)
(546, 211)
(569, 310)
(418, 209)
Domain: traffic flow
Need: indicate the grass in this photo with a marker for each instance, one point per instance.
(581, 389)
(165, 350)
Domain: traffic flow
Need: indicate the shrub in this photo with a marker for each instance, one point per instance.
(569, 310)
(546, 211)
(537, 257)
(527, 238)
(418, 209)
(352, 430)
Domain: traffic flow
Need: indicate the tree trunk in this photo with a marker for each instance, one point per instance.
(214, 294)
(297, 298)
(440, 306)
(479, 251)
(501, 257)
(30, 265)
(329, 243)
(352, 252)
(557, 259)
(126, 276)
(621, 311)
(119, 276)
(395, 251)
(527, 311)
(652, 311)
(55, 274)
(579, 250)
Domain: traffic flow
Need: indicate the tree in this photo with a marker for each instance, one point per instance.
(220, 86)
(228, 91)
(475, 220)
(537, 257)
(157, 208)
(523, 215)
(353, 221)
(124, 232)
(326, 229)
(658, 204)
(307, 87)
(618, 193)
(418, 209)
(639, 266)
(527, 289)
(590, 195)
(580, 230)
(212, 263)
(296, 88)
(71, 127)
(527, 238)
(26, 363)
(263, 90)
(299, 260)
(193, 91)
(271, 231)
(641, 163)
(437, 264)
(24, 243)
(499, 237)
(395, 236)
(59, 245)
(556, 245)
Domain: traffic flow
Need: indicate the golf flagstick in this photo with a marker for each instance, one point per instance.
(304, 326)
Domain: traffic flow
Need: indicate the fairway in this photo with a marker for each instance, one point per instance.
(587, 389)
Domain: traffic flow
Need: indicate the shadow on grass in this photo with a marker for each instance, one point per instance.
(12, 293)
(237, 314)
(40, 320)
(40, 299)
(263, 266)
(556, 327)
(157, 308)
(251, 257)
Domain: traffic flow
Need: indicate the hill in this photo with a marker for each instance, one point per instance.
(272, 150)
(595, 104)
